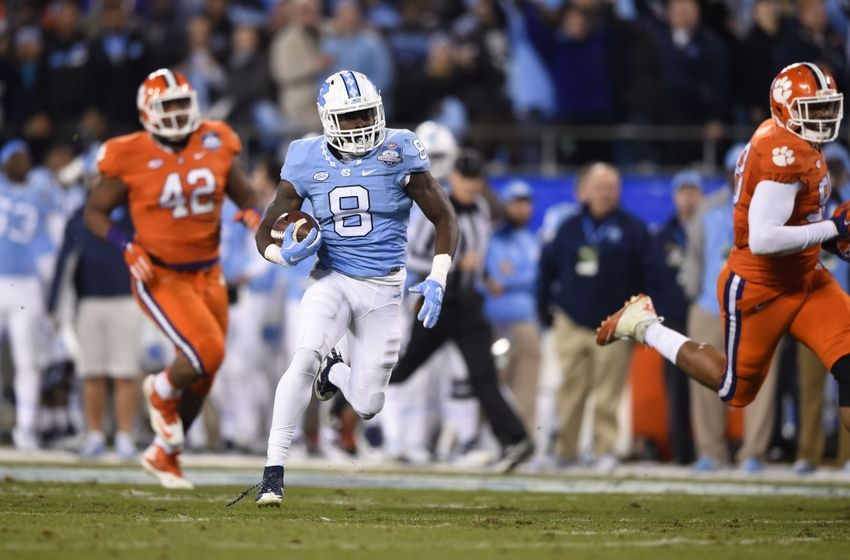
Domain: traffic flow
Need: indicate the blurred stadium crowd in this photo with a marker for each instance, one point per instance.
(493, 71)
(476, 68)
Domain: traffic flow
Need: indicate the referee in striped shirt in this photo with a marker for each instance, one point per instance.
(462, 319)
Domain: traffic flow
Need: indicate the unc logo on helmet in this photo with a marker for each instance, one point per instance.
(352, 113)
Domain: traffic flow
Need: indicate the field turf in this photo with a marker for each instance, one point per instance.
(92, 521)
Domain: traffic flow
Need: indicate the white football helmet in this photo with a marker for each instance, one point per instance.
(349, 92)
(441, 146)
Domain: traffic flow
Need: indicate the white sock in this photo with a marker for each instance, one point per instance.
(159, 442)
(290, 400)
(163, 387)
(96, 435)
(666, 341)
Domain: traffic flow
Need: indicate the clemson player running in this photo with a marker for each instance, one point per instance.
(773, 282)
(174, 175)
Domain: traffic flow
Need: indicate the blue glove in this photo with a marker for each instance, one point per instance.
(292, 252)
(432, 292)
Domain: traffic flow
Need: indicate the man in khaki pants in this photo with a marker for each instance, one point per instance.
(598, 257)
(710, 239)
(811, 443)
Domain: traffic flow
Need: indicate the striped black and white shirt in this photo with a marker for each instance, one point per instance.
(475, 226)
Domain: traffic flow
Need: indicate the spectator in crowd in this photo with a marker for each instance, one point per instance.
(201, 67)
(814, 39)
(597, 259)
(165, 31)
(576, 47)
(756, 59)
(510, 274)
(298, 65)
(352, 46)
(422, 95)
(250, 86)
(220, 29)
(812, 375)
(695, 73)
(463, 321)
(30, 204)
(482, 54)
(120, 61)
(20, 74)
(710, 240)
(672, 304)
(107, 326)
(67, 82)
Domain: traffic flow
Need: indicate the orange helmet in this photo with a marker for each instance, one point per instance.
(172, 121)
(804, 101)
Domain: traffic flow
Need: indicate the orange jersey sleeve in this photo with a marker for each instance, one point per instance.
(175, 198)
(775, 154)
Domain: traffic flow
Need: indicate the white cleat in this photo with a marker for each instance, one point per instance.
(164, 416)
(631, 321)
(165, 467)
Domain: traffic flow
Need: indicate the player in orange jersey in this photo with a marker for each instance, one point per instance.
(174, 176)
(773, 282)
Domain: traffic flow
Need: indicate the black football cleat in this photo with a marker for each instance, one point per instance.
(322, 387)
(515, 454)
(270, 493)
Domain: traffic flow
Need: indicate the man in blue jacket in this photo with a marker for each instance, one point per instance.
(511, 277)
(598, 257)
(673, 304)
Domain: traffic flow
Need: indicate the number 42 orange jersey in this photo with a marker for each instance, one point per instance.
(175, 198)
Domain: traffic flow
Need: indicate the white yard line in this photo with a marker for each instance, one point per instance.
(415, 481)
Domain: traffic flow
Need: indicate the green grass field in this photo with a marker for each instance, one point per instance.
(91, 521)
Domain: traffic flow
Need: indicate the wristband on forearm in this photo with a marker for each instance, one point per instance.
(440, 268)
(117, 238)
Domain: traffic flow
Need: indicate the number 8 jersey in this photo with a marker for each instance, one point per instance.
(175, 198)
(361, 205)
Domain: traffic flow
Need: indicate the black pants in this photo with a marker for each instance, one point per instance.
(462, 321)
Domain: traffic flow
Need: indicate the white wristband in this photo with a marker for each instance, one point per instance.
(272, 254)
(440, 268)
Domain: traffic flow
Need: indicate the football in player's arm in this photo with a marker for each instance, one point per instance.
(174, 177)
(773, 282)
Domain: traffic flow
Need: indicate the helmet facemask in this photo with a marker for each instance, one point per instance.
(173, 115)
(357, 140)
(817, 119)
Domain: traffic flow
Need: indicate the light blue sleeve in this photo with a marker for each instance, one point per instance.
(414, 156)
(293, 166)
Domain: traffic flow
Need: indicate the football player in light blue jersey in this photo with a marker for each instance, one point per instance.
(27, 204)
(361, 179)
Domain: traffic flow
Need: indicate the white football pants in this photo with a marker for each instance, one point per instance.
(21, 315)
(333, 305)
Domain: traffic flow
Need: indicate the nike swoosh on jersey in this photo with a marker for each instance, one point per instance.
(367, 172)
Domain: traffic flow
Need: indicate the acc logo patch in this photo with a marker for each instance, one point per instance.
(321, 175)
(390, 155)
(212, 141)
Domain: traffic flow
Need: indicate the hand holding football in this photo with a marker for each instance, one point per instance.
(303, 221)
